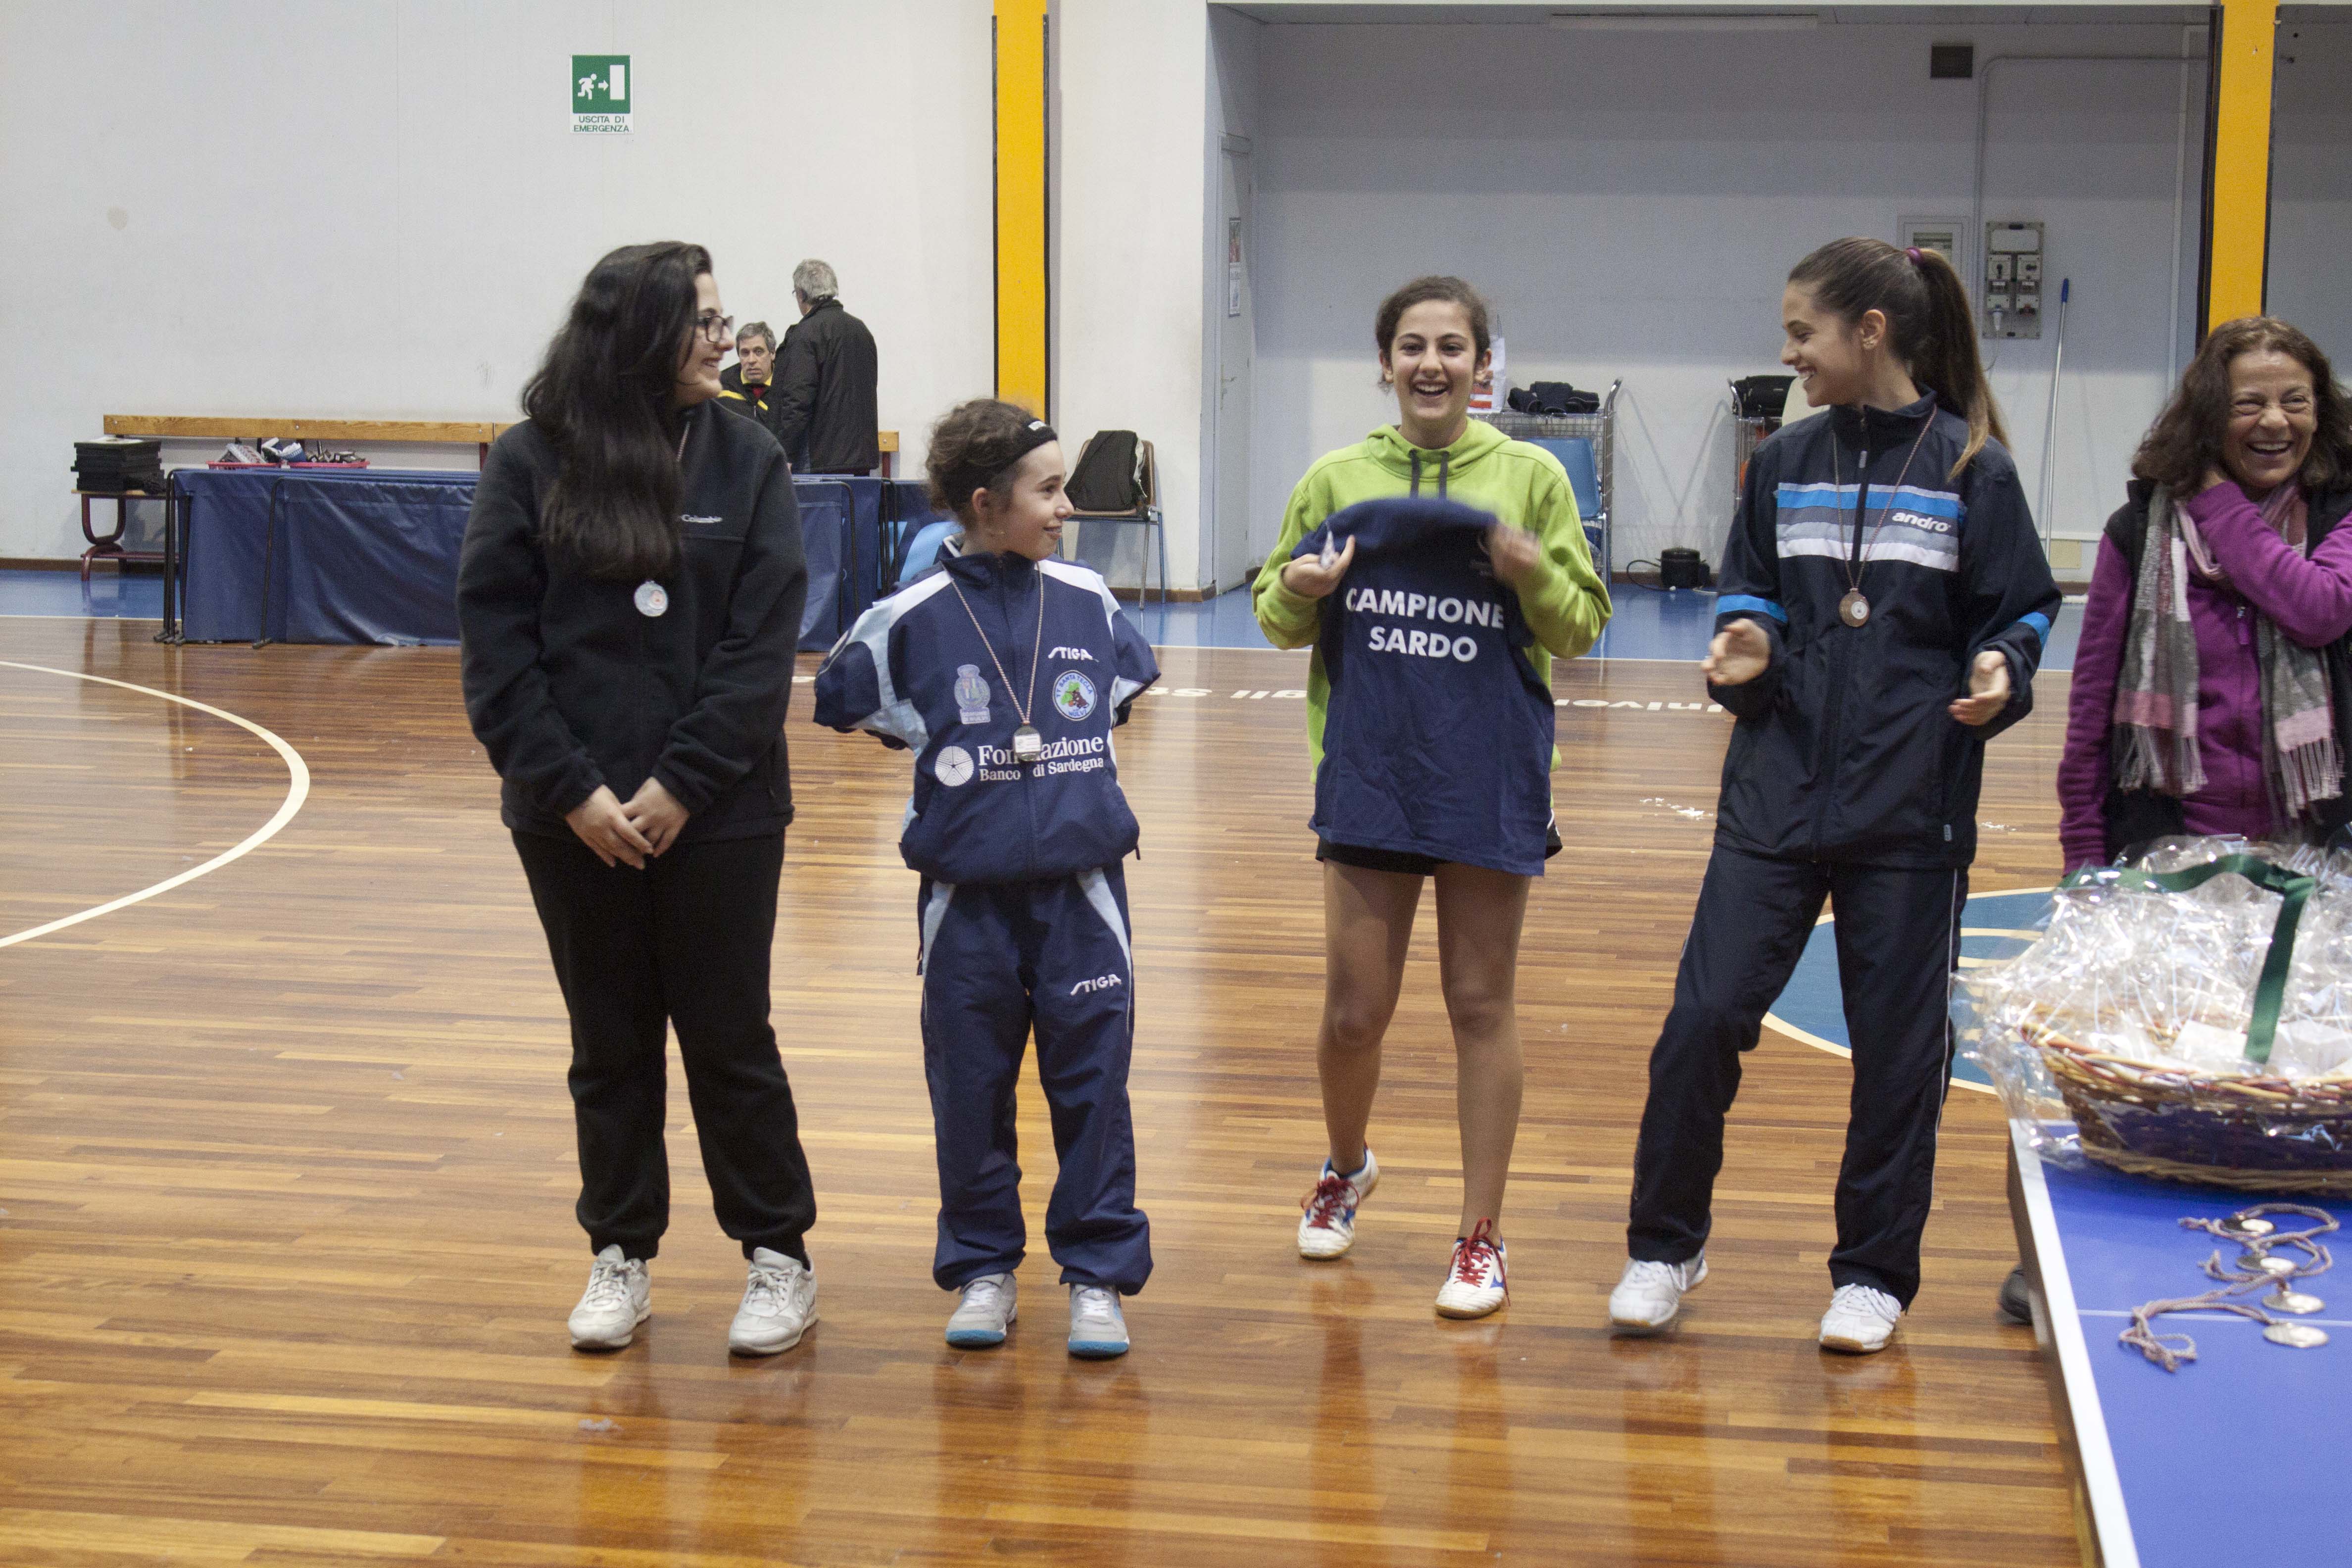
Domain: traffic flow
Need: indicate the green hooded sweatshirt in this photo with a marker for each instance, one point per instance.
(1566, 605)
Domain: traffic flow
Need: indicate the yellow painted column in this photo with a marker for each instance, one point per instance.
(2241, 161)
(1020, 203)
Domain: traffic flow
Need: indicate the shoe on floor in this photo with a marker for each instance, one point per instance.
(989, 1305)
(1328, 1227)
(619, 1297)
(779, 1304)
(1860, 1319)
(1650, 1295)
(2016, 1299)
(1474, 1283)
(1097, 1328)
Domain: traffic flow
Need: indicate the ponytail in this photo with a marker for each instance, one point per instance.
(1930, 326)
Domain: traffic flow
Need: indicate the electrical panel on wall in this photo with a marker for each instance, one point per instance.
(2009, 294)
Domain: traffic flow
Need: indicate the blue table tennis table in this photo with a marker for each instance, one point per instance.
(2239, 1455)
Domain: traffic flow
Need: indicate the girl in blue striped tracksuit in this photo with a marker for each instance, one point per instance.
(1004, 672)
(1884, 605)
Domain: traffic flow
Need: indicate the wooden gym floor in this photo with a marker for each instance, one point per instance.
(287, 1166)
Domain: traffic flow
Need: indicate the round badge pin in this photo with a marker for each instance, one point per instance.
(2296, 1336)
(653, 599)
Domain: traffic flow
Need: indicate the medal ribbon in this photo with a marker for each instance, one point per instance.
(1857, 566)
(1019, 708)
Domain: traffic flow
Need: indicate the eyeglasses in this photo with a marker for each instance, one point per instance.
(715, 328)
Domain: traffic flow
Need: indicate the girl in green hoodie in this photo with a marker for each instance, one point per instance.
(1432, 338)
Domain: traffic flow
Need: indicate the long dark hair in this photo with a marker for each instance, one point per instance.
(1930, 327)
(602, 397)
(2186, 439)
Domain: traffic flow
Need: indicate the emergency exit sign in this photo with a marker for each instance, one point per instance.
(600, 94)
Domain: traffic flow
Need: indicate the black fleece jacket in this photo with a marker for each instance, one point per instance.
(1843, 750)
(569, 686)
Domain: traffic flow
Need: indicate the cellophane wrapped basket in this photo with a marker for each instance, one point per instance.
(2189, 1017)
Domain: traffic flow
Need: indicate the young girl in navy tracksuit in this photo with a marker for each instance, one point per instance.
(1883, 604)
(1004, 672)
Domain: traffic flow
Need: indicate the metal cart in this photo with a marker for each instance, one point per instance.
(1755, 404)
(1593, 471)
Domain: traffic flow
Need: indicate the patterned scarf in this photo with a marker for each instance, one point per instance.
(2156, 691)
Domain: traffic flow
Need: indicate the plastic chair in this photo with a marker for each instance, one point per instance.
(1575, 454)
(923, 548)
(1146, 514)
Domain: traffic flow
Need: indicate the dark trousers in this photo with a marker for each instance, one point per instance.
(684, 941)
(1898, 939)
(997, 958)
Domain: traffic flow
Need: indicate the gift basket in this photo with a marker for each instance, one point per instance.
(2189, 1017)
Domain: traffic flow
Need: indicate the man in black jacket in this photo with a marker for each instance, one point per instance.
(748, 387)
(826, 383)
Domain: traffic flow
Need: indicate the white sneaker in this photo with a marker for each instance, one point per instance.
(1328, 1227)
(1647, 1299)
(1474, 1285)
(619, 1297)
(779, 1304)
(990, 1305)
(1860, 1319)
(1097, 1328)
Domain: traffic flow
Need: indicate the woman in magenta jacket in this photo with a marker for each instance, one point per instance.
(2212, 689)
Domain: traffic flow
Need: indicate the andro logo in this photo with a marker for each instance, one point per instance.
(1077, 653)
(1108, 983)
(951, 766)
(1916, 520)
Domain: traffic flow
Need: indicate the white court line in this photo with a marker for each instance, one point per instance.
(298, 790)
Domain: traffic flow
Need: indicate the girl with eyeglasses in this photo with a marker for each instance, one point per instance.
(629, 596)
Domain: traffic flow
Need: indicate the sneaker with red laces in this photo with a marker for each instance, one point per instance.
(1328, 1226)
(1474, 1285)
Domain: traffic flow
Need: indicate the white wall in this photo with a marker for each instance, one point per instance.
(1133, 83)
(2311, 186)
(376, 208)
(1631, 202)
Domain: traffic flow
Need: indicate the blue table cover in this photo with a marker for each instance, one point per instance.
(355, 556)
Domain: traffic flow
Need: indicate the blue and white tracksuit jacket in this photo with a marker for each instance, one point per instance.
(1023, 908)
(1847, 780)
(1438, 736)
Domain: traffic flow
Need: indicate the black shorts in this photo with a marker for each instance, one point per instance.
(1402, 862)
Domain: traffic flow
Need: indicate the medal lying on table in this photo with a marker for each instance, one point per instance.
(1028, 745)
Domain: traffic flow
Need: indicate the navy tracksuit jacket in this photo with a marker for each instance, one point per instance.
(1847, 780)
(1437, 739)
(1022, 909)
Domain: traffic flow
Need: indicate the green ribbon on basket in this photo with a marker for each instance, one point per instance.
(2293, 891)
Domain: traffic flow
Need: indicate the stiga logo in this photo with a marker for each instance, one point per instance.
(1074, 695)
(1078, 653)
(1108, 983)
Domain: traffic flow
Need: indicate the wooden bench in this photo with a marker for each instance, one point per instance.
(256, 427)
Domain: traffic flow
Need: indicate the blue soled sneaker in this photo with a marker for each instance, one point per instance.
(1097, 1328)
(1327, 1228)
(990, 1304)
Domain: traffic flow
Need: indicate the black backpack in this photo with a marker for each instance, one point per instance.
(1556, 397)
(1109, 475)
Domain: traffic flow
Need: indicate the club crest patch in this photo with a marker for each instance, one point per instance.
(1074, 695)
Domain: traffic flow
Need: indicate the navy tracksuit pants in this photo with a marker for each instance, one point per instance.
(999, 957)
(1898, 940)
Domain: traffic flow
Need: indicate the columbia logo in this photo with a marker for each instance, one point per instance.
(1078, 653)
(1107, 983)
